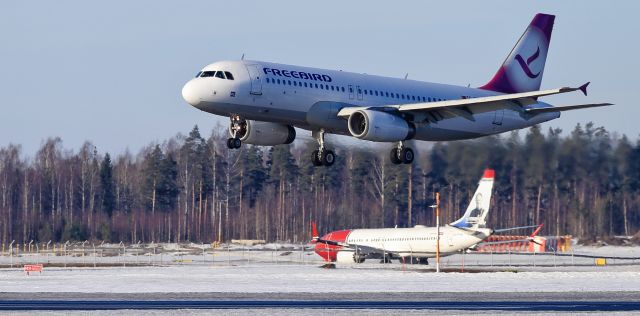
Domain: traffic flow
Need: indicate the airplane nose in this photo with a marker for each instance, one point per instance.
(190, 93)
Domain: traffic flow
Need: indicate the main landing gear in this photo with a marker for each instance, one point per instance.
(237, 128)
(401, 154)
(322, 156)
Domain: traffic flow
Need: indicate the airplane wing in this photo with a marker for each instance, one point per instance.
(565, 108)
(462, 107)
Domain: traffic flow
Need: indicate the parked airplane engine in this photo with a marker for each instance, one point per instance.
(266, 133)
(345, 257)
(380, 126)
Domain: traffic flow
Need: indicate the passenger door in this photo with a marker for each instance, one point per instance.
(359, 91)
(350, 92)
(256, 82)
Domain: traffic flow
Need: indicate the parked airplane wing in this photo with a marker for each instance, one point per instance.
(368, 250)
(521, 99)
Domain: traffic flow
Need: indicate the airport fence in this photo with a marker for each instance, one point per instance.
(85, 254)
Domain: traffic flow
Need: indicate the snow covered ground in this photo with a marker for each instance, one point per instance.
(278, 278)
(288, 270)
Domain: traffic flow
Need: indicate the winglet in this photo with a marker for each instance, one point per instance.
(314, 231)
(583, 88)
(535, 232)
(488, 174)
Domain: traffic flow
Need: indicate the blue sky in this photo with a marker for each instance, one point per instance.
(111, 72)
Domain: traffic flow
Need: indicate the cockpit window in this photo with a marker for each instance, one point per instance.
(220, 75)
(199, 73)
(229, 75)
(208, 74)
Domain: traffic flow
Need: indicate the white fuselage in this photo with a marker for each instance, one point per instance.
(418, 241)
(310, 98)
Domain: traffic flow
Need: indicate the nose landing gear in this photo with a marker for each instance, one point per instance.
(401, 154)
(322, 156)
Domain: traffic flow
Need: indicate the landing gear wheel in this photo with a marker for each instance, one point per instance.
(406, 154)
(234, 143)
(394, 157)
(328, 157)
(315, 158)
(322, 156)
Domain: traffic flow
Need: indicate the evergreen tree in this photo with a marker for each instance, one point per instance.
(106, 185)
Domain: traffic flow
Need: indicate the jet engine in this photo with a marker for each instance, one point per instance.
(265, 133)
(379, 126)
(345, 257)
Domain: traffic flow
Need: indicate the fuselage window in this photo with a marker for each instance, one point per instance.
(342, 89)
(386, 94)
(331, 88)
(321, 86)
(208, 74)
(305, 84)
(376, 93)
(278, 81)
(316, 86)
(365, 91)
(229, 75)
(289, 82)
(267, 80)
(220, 74)
(359, 91)
(350, 90)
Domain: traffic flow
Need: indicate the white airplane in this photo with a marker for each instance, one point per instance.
(417, 243)
(265, 101)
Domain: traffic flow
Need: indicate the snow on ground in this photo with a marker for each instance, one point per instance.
(263, 278)
(267, 270)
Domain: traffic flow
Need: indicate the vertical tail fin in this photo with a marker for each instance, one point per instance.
(478, 208)
(523, 68)
(314, 232)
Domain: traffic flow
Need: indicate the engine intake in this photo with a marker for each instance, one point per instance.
(379, 126)
(266, 133)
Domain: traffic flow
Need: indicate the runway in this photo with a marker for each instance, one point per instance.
(465, 302)
(82, 305)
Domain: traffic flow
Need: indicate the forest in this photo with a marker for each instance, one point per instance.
(191, 188)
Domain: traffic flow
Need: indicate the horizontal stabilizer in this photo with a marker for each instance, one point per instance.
(513, 228)
(565, 108)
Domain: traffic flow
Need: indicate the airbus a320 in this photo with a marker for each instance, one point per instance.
(265, 101)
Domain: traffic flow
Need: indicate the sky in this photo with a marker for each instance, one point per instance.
(112, 72)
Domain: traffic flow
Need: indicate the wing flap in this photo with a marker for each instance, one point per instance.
(565, 108)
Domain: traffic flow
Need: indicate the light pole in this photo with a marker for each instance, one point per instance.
(437, 207)
(11, 252)
(438, 231)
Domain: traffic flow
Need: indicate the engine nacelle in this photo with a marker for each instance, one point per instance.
(379, 126)
(345, 256)
(266, 133)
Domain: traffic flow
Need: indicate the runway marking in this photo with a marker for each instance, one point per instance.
(85, 305)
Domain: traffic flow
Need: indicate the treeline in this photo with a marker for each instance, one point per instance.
(192, 188)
